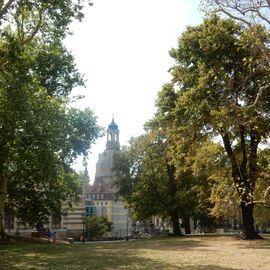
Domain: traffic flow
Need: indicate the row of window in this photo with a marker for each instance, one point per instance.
(95, 196)
(101, 203)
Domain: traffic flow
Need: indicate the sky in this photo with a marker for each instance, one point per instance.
(122, 48)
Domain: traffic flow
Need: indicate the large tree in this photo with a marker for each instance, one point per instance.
(219, 79)
(40, 134)
(149, 184)
(192, 167)
(146, 180)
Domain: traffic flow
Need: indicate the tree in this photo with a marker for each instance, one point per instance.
(146, 181)
(46, 14)
(219, 80)
(251, 13)
(262, 217)
(40, 135)
(150, 186)
(98, 226)
(39, 175)
(192, 167)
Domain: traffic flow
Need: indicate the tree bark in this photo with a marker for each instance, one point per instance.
(248, 226)
(245, 178)
(3, 187)
(172, 192)
(187, 225)
(175, 224)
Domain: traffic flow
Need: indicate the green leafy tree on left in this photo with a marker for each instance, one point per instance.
(40, 134)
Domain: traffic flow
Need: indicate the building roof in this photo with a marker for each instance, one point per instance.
(99, 188)
(112, 125)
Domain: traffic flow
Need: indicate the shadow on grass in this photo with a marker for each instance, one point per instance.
(110, 256)
(254, 244)
(101, 257)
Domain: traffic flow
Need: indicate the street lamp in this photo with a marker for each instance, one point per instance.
(83, 223)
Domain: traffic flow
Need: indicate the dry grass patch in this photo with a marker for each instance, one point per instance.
(189, 253)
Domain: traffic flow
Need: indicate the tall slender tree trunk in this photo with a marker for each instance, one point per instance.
(3, 187)
(187, 225)
(175, 224)
(174, 213)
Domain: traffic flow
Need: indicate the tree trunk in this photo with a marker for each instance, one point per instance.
(245, 178)
(187, 225)
(172, 193)
(248, 228)
(175, 224)
(3, 187)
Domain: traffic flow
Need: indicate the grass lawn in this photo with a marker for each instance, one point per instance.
(189, 253)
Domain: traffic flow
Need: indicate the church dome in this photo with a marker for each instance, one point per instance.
(112, 137)
(112, 125)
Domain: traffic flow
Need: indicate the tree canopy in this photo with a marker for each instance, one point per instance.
(221, 84)
(150, 186)
(251, 13)
(40, 135)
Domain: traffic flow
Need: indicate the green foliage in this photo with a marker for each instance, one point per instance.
(40, 134)
(221, 87)
(149, 185)
(262, 217)
(98, 226)
(140, 173)
(45, 17)
(220, 100)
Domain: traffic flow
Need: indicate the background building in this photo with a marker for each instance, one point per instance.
(101, 197)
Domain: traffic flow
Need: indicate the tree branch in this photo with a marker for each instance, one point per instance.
(6, 7)
(266, 192)
(37, 28)
(261, 202)
(233, 16)
(229, 9)
(244, 151)
(262, 16)
(258, 96)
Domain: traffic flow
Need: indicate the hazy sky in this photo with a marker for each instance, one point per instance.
(122, 47)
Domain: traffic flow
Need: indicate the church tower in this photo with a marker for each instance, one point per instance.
(112, 136)
(101, 197)
(104, 165)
